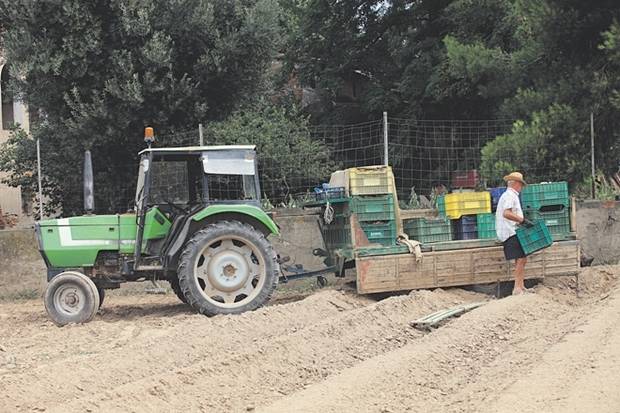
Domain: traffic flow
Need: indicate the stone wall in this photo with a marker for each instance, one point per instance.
(598, 228)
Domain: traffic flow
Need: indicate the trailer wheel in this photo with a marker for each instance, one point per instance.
(71, 297)
(228, 268)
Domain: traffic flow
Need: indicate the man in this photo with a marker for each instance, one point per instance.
(508, 215)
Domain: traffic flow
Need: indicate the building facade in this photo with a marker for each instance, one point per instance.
(13, 112)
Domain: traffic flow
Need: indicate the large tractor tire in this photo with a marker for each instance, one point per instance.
(176, 288)
(228, 268)
(71, 297)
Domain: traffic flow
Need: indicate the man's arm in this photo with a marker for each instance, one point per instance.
(508, 214)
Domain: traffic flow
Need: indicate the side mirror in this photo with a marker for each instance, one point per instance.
(89, 191)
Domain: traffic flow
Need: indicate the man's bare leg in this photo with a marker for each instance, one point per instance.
(519, 275)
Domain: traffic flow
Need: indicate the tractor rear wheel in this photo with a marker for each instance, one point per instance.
(228, 268)
(71, 297)
(176, 288)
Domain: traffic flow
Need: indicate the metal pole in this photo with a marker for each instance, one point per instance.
(385, 138)
(200, 134)
(39, 177)
(592, 154)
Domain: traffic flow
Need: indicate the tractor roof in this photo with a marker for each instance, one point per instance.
(200, 149)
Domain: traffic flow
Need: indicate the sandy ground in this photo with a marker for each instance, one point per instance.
(333, 351)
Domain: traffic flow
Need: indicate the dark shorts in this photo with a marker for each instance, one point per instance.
(512, 249)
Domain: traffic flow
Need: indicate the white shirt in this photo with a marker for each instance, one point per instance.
(506, 228)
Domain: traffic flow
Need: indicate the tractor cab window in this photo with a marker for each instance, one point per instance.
(176, 181)
(230, 176)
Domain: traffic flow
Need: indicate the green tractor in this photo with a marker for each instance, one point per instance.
(197, 224)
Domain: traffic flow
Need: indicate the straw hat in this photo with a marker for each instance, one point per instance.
(515, 176)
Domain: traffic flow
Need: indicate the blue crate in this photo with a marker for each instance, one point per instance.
(324, 194)
(496, 193)
(466, 227)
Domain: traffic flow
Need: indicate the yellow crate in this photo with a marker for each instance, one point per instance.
(467, 203)
(371, 180)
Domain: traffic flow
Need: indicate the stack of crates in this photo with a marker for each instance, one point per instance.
(548, 202)
(428, 231)
(373, 200)
(463, 208)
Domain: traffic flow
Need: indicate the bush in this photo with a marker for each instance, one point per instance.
(552, 147)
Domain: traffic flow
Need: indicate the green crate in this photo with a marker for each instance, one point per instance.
(383, 233)
(557, 221)
(535, 196)
(374, 208)
(337, 234)
(428, 231)
(534, 238)
(441, 205)
(485, 223)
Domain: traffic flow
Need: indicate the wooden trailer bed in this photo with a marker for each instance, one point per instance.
(398, 272)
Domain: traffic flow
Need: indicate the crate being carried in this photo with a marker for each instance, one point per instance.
(458, 204)
(534, 238)
(427, 230)
(371, 180)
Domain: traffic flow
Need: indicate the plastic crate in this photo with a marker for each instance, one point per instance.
(372, 180)
(329, 193)
(467, 203)
(428, 231)
(465, 179)
(496, 194)
(374, 208)
(383, 233)
(337, 234)
(441, 205)
(485, 224)
(465, 228)
(535, 196)
(534, 238)
(558, 221)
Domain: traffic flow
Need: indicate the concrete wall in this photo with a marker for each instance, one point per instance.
(598, 228)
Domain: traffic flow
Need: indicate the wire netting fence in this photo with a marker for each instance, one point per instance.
(424, 154)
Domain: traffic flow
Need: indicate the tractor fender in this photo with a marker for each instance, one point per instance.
(252, 216)
(248, 214)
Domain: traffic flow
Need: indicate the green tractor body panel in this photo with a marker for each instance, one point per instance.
(76, 242)
(244, 209)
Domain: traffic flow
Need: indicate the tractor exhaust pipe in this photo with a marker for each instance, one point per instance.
(89, 194)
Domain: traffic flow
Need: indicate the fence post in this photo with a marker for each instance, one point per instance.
(385, 138)
(592, 154)
(202, 140)
(39, 178)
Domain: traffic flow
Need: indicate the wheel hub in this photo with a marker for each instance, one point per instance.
(228, 270)
(69, 299)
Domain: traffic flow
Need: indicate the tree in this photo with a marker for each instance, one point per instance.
(287, 154)
(99, 71)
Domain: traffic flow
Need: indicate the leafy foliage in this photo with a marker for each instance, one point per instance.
(286, 151)
(100, 71)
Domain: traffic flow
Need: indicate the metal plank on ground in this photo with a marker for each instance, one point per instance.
(432, 320)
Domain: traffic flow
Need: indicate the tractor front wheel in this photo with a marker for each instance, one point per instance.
(228, 268)
(71, 297)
